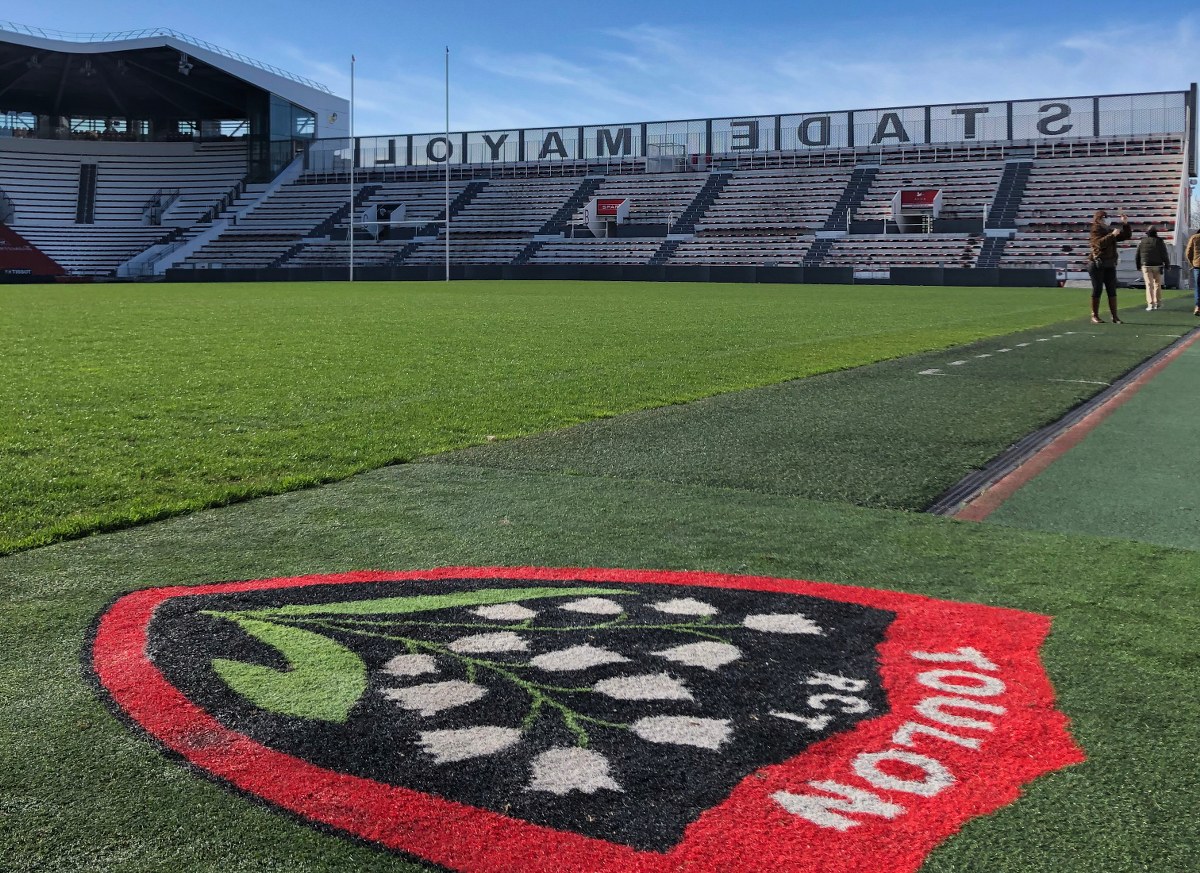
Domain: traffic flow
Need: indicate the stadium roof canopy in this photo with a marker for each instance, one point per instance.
(145, 74)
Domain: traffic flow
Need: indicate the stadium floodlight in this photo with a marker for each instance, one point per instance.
(185, 65)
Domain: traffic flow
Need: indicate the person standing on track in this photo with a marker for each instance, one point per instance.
(1102, 266)
(1153, 260)
(1192, 256)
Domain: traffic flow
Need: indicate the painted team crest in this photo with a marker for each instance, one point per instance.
(497, 720)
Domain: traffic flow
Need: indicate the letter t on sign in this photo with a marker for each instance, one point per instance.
(968, 114)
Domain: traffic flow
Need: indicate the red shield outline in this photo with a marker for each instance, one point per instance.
(750, 830)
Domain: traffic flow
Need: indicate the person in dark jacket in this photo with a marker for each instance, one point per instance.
(1102, 267)
(1153, 260)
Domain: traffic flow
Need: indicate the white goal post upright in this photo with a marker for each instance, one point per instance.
(447, 163)
(351, 153)
(351, 159)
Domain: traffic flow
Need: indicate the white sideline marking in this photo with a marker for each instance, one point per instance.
(936, 371)
(1081, 381)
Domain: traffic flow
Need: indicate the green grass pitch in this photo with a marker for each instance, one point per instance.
(131, 403)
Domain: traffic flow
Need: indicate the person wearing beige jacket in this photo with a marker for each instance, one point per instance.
(1192, 256)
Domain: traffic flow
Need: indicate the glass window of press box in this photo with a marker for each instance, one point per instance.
(279, 130)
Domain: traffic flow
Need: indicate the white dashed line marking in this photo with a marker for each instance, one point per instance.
(937, 371)
(1080, 381)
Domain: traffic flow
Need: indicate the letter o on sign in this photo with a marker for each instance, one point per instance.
(446, 150)
(976, 684)
(937, 777)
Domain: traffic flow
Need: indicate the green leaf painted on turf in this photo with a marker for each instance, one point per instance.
(323, 681)
(428, 602)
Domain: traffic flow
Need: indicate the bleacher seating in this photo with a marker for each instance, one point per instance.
(42, 181)
(904, 250)
(766, 202)
(764, 210)
(654, 198)
(967, 188)
(598, 251)
(745, 251)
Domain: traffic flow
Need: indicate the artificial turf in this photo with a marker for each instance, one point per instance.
(129, 403)
(895, 434)
(79, 791)
(1140, 461)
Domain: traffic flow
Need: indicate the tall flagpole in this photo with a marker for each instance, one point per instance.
(447, 163)
(352, 60)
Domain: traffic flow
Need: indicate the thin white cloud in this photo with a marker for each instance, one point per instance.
(658, 73)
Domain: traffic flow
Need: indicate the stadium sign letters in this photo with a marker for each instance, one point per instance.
(1008, 121)
(491, 719)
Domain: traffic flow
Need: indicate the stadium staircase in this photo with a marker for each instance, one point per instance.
(398, 258)
(527, 253)
(856, 189)
(704, 199)
(85, 210)
(992, 251)
(557, 223)
(665, 251)
(325, 228)
(457, 205)
(817, 252)
(1003, 213)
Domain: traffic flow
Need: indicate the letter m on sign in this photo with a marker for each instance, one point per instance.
(819, 809)
(606, 144)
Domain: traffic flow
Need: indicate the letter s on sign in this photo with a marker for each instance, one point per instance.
(1061, 111)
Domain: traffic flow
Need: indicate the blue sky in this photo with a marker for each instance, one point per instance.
(526, 65)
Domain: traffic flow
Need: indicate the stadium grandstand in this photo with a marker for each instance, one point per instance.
(151, 155)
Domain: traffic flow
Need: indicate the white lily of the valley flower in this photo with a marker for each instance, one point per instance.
(685, 606)
(704, 733)
(655, 686)
(403, 666)
(594, 606)
(576, 658)
(793, 623)
(433, 697)
(709, 655)
(464, 743)
(480, 644)
(505, 612)
(561, 771)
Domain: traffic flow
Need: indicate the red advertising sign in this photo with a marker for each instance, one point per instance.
(19, 257)
(608, 205)
(919, 198)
